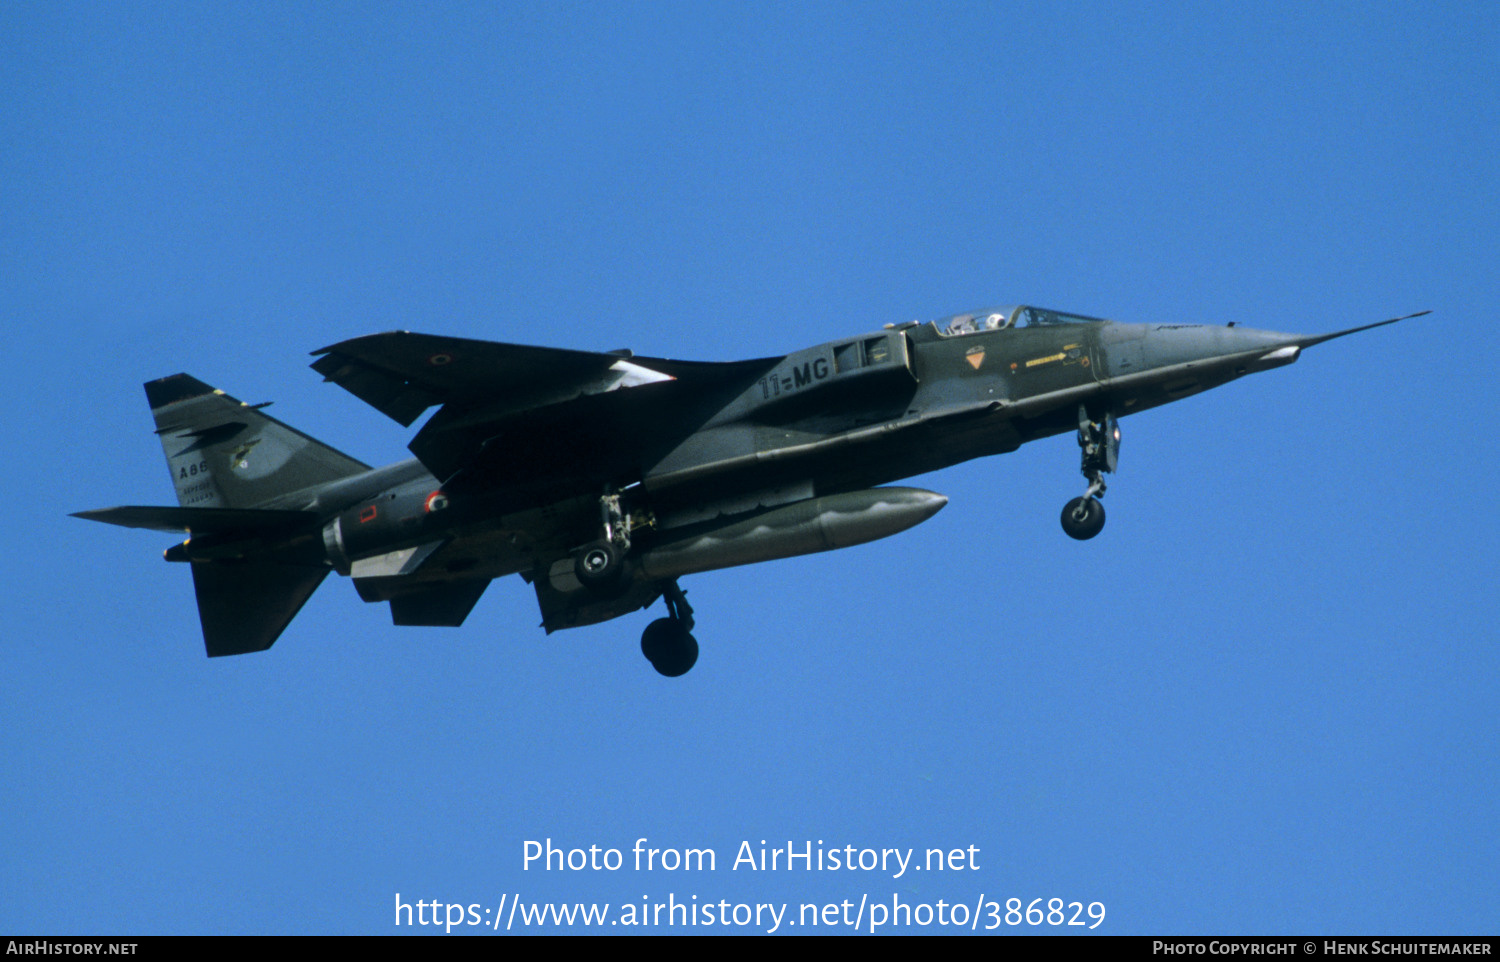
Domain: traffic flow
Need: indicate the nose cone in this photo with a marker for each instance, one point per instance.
(1154, 363)
(1169, 345)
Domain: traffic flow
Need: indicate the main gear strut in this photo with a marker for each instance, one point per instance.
(600, 565)
(668, 642)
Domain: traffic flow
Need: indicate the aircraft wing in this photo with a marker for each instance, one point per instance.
(402, 374)
(535, 421)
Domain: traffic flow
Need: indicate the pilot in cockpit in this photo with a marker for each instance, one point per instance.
(989, 319)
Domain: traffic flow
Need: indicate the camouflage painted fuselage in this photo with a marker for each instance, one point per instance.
(683, 466)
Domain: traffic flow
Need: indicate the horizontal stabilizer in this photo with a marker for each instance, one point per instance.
(244, 606)
(197, 520)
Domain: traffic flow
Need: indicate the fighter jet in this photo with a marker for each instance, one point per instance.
(603, 478)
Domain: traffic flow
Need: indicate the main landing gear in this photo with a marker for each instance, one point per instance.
(1083, 517)
(600, 565)
(668, 642)
(601, 568)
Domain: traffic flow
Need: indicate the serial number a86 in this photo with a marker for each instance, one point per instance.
(1056, 914)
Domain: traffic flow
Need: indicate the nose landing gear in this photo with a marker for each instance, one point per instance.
(668, 642)
(1083, 517)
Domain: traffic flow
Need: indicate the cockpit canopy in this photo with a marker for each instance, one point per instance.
(997, 318)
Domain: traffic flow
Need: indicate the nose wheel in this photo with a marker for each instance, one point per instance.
(668, 642)
(1099, 443)
(1082, 518)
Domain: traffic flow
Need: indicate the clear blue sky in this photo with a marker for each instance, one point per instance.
(1263, 701)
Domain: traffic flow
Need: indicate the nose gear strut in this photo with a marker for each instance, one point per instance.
(1099, 441)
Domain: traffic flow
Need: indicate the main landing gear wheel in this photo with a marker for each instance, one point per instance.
(668, 643)
(598, 567)
(670, 647)
(1082, 518)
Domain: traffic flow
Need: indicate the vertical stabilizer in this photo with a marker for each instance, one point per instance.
(224, 453)
(230, 465)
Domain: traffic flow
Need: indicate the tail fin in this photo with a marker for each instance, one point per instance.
(241, 480)
(224, 453)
